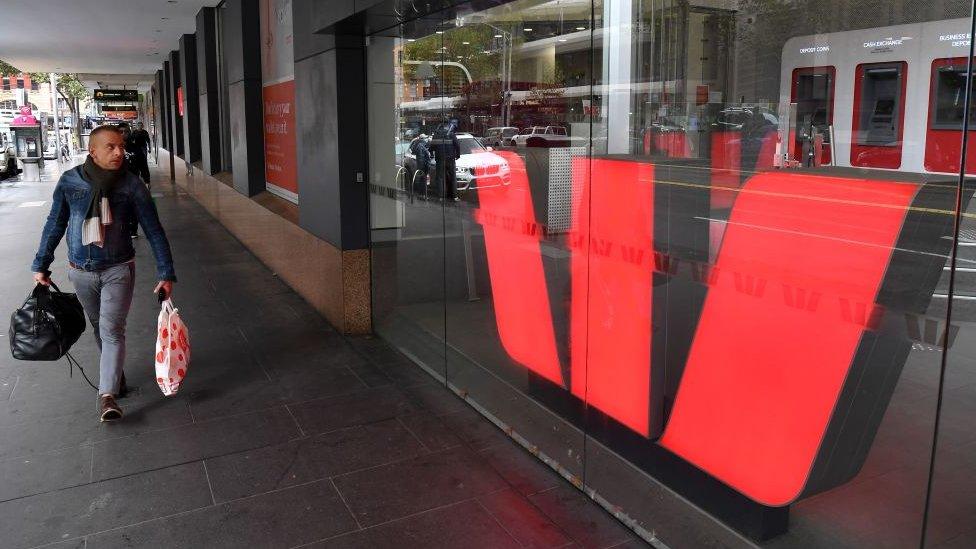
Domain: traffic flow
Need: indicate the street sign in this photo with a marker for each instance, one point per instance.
(118, 108)
(116, 95)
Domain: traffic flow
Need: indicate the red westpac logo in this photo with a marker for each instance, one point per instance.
(789, 296)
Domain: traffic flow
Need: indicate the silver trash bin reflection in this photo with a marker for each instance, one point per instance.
(32, 170)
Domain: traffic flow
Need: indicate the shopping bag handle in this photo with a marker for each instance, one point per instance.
(161, 295)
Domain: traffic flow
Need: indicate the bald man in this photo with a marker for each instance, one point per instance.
(96, 203)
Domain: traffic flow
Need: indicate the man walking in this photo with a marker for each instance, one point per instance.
(95, 203)
(137, 144)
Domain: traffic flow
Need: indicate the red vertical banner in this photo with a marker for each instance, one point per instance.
(179, 100)
(279, 137)
(278, 80)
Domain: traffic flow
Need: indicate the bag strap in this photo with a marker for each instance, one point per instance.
(73, 362)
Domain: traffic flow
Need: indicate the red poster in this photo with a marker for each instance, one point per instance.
(179, 100)
(279, 138)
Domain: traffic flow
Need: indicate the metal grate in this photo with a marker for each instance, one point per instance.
(562, 195)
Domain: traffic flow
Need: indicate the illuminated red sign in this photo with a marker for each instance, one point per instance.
(772, 349)
(791, 296)
(179, 100)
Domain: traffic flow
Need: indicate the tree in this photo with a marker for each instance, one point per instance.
(67, 86)
(6, 69)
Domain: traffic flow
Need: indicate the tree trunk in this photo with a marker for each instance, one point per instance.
(75, 118)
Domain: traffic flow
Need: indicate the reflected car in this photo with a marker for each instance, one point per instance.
(8, 161)
(477, 167)
(500, 136)
(733, 118)
(540, 135)
(475, 157)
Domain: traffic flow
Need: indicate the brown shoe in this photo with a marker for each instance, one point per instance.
(109, 409)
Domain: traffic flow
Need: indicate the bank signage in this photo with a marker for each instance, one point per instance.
(774, 348)
(102, 95)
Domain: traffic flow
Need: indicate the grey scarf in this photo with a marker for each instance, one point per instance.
(99, 213)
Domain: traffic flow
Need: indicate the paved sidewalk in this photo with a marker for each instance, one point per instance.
(285, 433)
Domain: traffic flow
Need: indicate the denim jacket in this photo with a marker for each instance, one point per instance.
(130, 201)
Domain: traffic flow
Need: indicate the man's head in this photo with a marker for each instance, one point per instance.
(139, 125)
(107, 147)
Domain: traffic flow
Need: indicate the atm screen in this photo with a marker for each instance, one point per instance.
(884, 107)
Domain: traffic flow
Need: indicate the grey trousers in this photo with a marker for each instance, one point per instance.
(106, 296)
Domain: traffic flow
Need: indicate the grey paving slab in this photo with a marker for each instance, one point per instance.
(286, 518)
(521, 470)
(259, 392)
(522, 520)
(192, 442)
(465, 524)
(370, 374)
(40, 473)
(55, 403)
(405, 375)
(83, 510)
(264, 469)
(476, 432)
(62, 432)
(582, 519)
(430, 430)
(7, 384)
(403, 488)
(283, 429)
(435, 399)
(367, 406)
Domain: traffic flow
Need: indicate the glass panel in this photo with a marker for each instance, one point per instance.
(754, 296)
(406, 104)
(692, 251)
(521, 127)
(951, 501)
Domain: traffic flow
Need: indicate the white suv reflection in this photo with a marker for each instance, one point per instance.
(475, 158)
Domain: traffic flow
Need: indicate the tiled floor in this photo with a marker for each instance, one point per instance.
(285, 434)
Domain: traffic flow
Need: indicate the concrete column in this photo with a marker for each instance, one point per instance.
(191, 98)
(166, 114)
(330, 99)
(242, 57)
(160, 121)
(207, 85)
(617, 73)
(176, 121)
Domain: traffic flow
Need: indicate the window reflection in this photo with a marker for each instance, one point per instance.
(710, 240)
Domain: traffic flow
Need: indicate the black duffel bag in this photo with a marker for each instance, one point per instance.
(46, 325)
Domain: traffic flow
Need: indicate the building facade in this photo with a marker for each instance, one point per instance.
(711, 260)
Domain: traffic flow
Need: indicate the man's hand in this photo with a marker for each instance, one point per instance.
(166, 286)
(42, 279)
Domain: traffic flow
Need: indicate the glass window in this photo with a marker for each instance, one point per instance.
(710, 253)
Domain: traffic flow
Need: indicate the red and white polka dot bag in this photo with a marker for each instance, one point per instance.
(172, 349)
